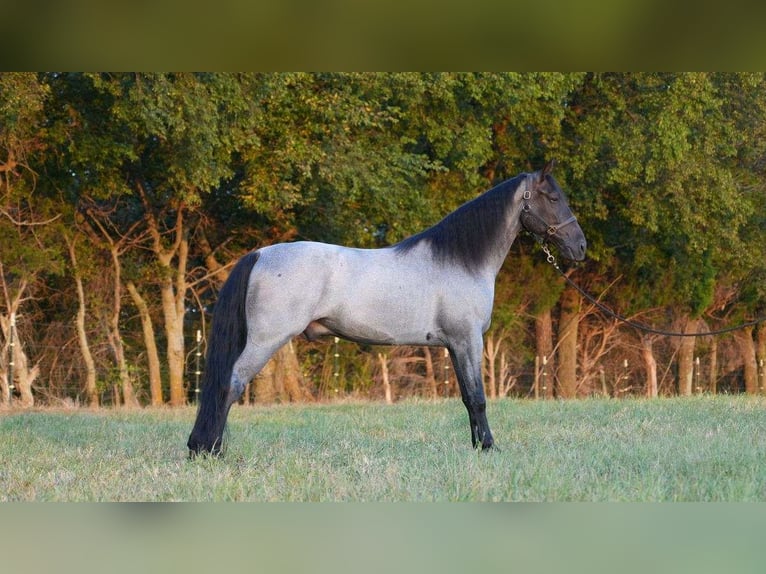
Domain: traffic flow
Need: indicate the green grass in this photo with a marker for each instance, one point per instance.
(694, 449)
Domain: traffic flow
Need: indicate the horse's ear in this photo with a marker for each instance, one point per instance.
(547, 169)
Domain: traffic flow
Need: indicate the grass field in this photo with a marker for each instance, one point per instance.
(692, 449)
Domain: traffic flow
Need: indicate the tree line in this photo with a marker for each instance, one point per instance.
(126, 197)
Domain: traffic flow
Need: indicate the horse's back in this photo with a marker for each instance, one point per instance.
(336, 275)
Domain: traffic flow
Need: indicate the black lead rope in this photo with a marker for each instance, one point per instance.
(640, 326)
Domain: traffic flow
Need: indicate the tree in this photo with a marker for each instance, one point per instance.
(185, 172)
(26, 217)
(150, 343)
(657, 149)
(165, 141)
(94, 221)
(91, 390)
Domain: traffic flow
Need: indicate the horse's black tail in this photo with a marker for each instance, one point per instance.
(228, 337)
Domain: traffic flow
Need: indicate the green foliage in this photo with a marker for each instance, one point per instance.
(177, 132)
(22, 98)
(660, 154)
(665, 172)
(371, 158)
(27, 247)
(330, 162)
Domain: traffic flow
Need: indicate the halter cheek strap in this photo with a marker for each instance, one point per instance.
(551, 230)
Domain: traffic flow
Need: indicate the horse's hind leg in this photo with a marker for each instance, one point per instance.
(466, 358)
(248, 365)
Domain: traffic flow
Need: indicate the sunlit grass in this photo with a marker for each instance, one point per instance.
(702, 448)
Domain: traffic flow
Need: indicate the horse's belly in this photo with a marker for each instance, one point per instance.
(379, 310)
(384, 320)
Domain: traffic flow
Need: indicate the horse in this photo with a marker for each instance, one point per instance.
(435, 288)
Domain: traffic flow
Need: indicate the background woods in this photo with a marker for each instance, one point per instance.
(125, 199)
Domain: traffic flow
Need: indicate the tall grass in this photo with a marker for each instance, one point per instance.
(695, 449)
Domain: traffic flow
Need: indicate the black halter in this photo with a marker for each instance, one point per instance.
(551, 230)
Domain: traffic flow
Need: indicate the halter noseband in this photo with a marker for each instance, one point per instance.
(551, 230)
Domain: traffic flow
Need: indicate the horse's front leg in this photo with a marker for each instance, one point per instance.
(466, 359)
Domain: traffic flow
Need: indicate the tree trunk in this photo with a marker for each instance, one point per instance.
(506, 383)
(491, 349)
(430, 375)
(5, 388)
(150, 343)
(172, 290)
(91, 392)
(212, 264)
(281, 379)
(7, 361)
(650, 364)
(760, 351)
(263, 384)
(115, 337)
(713, 380)
(383, 359)
(292, 377)
(20, 374)
(544, 345)
(570, 315)
(174, 332)
(173, 295)
(282, 374)
(25, 376)
(686, 360)
(747, 349)
(125, 388)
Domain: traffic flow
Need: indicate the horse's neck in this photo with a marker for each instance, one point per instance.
(512, 225)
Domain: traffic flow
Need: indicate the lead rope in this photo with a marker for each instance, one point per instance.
(640, 326)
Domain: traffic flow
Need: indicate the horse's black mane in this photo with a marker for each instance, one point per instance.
(466, 236)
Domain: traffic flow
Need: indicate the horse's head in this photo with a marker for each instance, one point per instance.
(546, 214)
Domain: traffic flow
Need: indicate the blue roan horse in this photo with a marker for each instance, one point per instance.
(434, 288)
